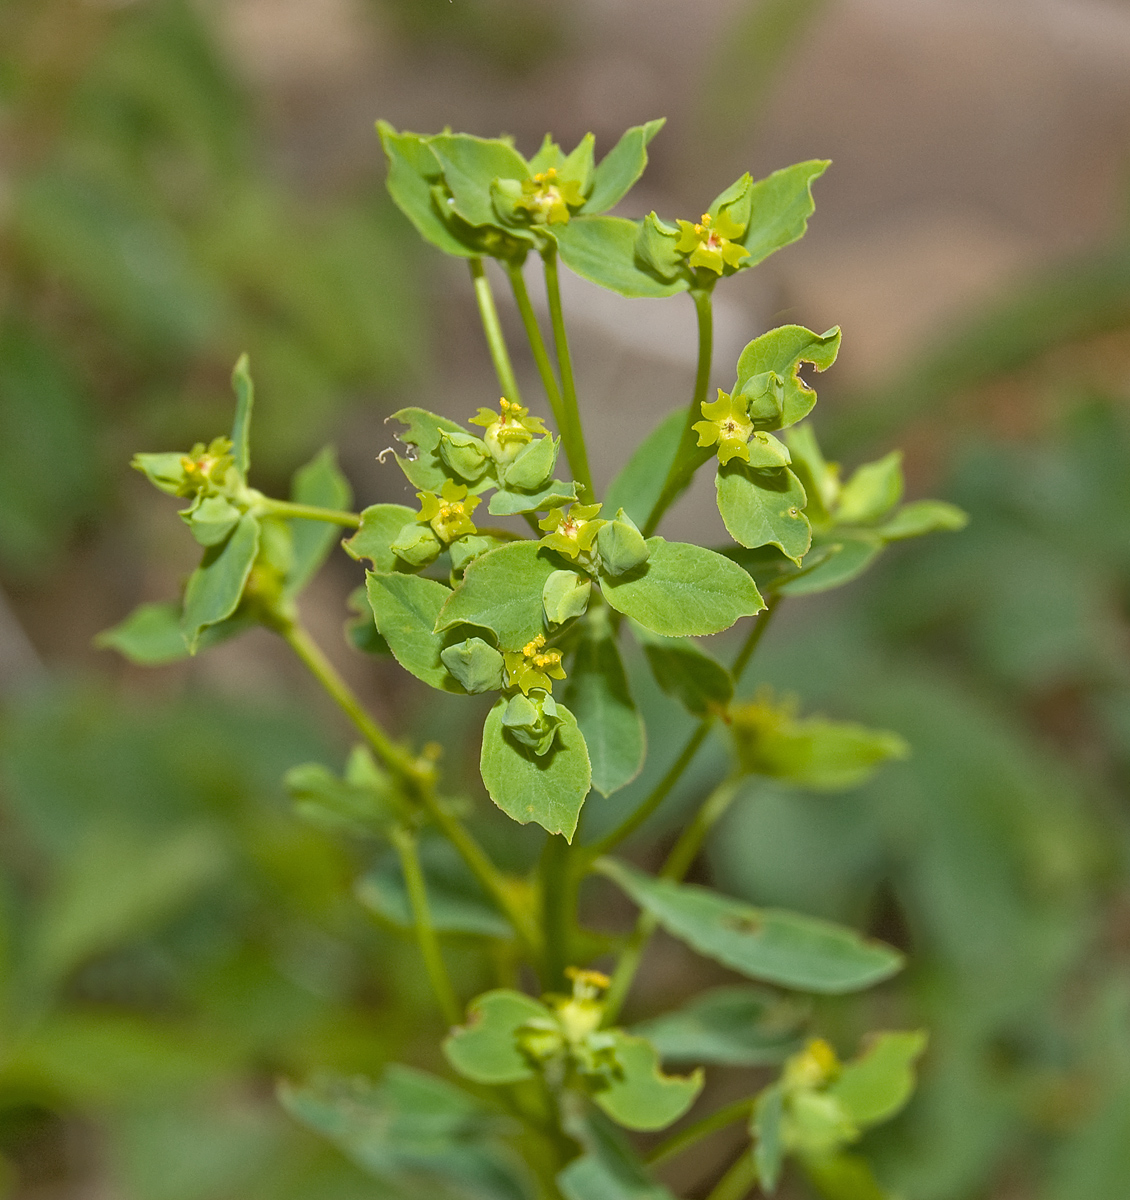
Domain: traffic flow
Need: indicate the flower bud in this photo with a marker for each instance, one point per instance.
(621, 546)
(532, 720)
(533, 466)
(464, 453)
(477, 665)
(211, 519)
(565, 596)
(417, 545)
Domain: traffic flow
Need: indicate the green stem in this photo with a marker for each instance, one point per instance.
(572, 433)
(405, 842)
(686, 849)
(311, 512)
(537, 343)
(738, 1180)
(683, 466)
(558, 898)
(685, 1138)
(500, 356)
(418, 780)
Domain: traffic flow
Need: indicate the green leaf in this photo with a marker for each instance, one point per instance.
(211, 520)
(621, 167)
(486, 1049)
(456, 900)
(638, 1095)
(597, 693)
(872, 491)
(361, 803)
(730, 1026)
(821, 480)
(684, 590)
(683, 670)
(361, 630)
(241, 427)
(844, 1177)
(763, 508)
(380, 526)
(506, 503)
(657, 250)
(810, 752)
(767, 1130)
(783, 351)
(216, 586)
(764, 944)
(319, 483)
(637, 487)
(151, 635)
(414, 1133)
(549, 788)
(603, 251)
(164, 470)
(836, 564)
(501, 591)
(781, 205)
(424, 467)
(412, 171)
(923, 516)
(876, 1085)
(405, 608)
(608, 1170)
(470, 165)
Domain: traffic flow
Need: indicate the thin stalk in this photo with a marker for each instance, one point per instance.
(537, 343)
(681, 469)
(572, 433)
(558, 897)
(311, 512)
(738, 1180)
(496, 342)
(405, 842)
(417, 779)
(685, 1138)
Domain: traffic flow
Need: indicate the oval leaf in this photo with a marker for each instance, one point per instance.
(216, 586)
(763, 508)
(380, 526)
(405, 608)
(486, 1048)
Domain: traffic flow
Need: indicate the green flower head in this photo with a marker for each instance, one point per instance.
(508, 430)
(548, 198)
(533, 666)
(449, 513)
(571, 531)
(710, 243)
(206, 467)
(727, 423)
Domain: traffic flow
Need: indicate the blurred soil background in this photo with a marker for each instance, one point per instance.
(182, 181)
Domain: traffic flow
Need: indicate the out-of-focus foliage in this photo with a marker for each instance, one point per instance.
(143, 244)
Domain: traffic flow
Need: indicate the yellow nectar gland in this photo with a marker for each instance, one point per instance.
(587, 985)
(536, 658)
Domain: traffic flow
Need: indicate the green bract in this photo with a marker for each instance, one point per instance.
(535, 612)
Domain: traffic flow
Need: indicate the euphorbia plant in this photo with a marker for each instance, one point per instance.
(545, 1076)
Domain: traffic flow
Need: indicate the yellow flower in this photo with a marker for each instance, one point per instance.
(204, 466)
(710, 243)
(508, 430)
(449, 513)
(533, 666)
(573, 531)
(548, 198)
(727, 424)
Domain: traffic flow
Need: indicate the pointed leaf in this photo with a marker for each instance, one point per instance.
(872, 491)
(763, 508)
(876, 1085)
(621, 167)
(216, 586)
(151, 635)
(486, 1049)
(835, 565)
(502, 592)
(638, 485)
(639, 1096)
(549, 788)
(683, 670)
(241, 428)
(730, 1026)
(405, 608)
(319, 483)
(380, 526)
(361, 803)
(603, 251)
(506, 503)
(780, 206)
(767, 1130)
(783, 351)
(923, 516)
(765, 944)
(683, 590)
(597, 692)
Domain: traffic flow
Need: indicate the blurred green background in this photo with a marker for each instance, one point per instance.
(181, 181)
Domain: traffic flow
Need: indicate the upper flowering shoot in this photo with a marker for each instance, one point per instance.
(571, 532)
(508, 430)
(548, 198)
(533, 666)
(710, 243)
(449, 513)
(727, 423)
